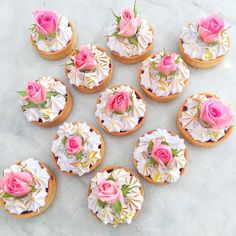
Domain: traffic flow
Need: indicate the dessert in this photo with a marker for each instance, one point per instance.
(163, 76)
(27, 188)
(89, 69)
(52, 35)
(115, 195)
(46, 102)
(160, 156)
(120, 110)
(205, 120)
(130, 39)
(204, 44)
(78, 148)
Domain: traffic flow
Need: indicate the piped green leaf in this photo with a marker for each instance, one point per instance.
(64, 140)
(152, 161)
(174, 152)
(150, 146)
(51, 94)
(177, 59)
(118, 18)
(165, 143)
(133, 40)
(125, 189)
(22, 93)
(53, 35)
(101, 204)
(111, 178)
(41, 36)
(130, 108)
(79, 156)
(29, 105)
(116, 206)
(43, 104)
(135, 10)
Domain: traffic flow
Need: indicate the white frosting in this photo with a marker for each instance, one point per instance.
(191, 122)
(54, 104)
(90, 79)
(131, 203)
(164, 86)
(33, 200)
(120, 122)
(155, 171)
(124, 48)
(196, 48)
(91, 151)
(63, 36)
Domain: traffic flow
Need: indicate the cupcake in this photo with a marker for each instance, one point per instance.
(163, 76)
(27, 189)
(130, 39)
(46, 102)
(78, 148)
(52, 35)
(160, 156)
(120, 110)
(205, 120)
(115, 195)
(204, 44)
(89, 69)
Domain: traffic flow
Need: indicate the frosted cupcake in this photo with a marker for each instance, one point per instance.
(89, 69)
(46, 102)
(115, 195)
(205, 120)
(130, 39)
(52, 35)
(120, 110)
(27, 189)
(160, 156)
(163, 76)
(204, 44)
(78, 148)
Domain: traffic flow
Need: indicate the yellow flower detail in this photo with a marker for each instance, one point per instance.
(208, 55)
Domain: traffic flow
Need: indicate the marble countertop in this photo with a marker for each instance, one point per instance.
(202, 202)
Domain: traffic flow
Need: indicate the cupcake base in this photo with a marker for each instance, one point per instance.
(57, 55)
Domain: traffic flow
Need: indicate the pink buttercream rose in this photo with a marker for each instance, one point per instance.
(129, 23)
(35, 92)
(84, 60)
(210, 28)
(74, 144)
(16, 184)
(161, 153)
(167, 65)
(216, 114)
(46, 21)
(119, 102)
(109, 191)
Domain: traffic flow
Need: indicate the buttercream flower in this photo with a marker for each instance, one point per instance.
(46, 21)
(129, 23)
(84, 60)
(16, 184)
(74, 144)
(210, 28)
(161, 153)
(109, 191)
(119, 102)
(167, 65)
(216, 114)
(35, 92)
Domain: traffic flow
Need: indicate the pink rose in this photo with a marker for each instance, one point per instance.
(16, 184)
(84, 60)
(109, 191)
(210, 28)
(129, 23)
(216, 114)
(119, 102)
(167, 65)
(35, 92)
(161, 153)
(74, 144)
(46, 21)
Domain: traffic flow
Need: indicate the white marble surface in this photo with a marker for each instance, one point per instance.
(201, 203)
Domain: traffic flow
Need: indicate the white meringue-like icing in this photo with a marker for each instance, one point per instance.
(54, 104)
(124, 48)
(120, 122)
(90, 79)
(33, 200)
(131, 203)
(191, 123)
(91, 148)
(196, 48)
(63, 36)
(164, 86)
(156, 172)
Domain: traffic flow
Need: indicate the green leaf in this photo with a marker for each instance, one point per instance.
(111, 178)
(135, 10)
(130, 108)
(152, 161)
(116, 206)
(177, 59)
(125, 189)
(150, 146)
(198, 111)
(116, 35)
(29, 105)
(174, 152)
(161, 75)
(43, 104)
(133, 40)
(152, 64)
(41, 36)
(101, 204)
(64, 140)
(79, 156)
(117, 113)
(53, 35)
(165, 143)
(7, 195)
(22, 93)
(33, 189)
(118, 18)
(51, 94)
